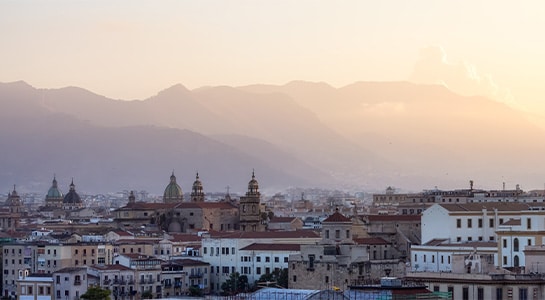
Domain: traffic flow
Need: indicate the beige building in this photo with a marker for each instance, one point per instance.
(250, 208)
(341, 258)
(34, 287)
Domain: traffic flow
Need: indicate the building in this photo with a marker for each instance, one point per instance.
(54, 198)
(70, 283)
(117, 278)
(173, 192)
(223, 252)
(250, 208)
(34, 286)
(72, 200)
(197, 194)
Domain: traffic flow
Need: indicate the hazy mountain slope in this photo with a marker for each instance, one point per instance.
(429, 131)
(274, 118)
(38, 143)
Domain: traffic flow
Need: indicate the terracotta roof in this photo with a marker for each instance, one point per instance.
(71, 270)
(337, 217)
(282, 219)
(273, 247)
(123, 233)
(266, 234)
(137, 241)
(370, 241)
(189, 262)
(116, 267)
(183, 237)
(392, 218)
(513, 222)
(435, 242)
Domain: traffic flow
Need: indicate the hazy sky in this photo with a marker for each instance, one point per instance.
(133, 49)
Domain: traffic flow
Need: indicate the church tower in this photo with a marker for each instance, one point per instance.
(14, 202)
(249, 208)
(173, 192)
(197, 194)
(132, 198)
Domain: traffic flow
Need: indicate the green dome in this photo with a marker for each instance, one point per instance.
(54, 191)
(173, 191)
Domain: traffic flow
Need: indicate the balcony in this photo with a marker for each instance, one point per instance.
(77, 282)
(131, 281)
(106, 281)
(197, 275)
(151, 281)
(119, 281)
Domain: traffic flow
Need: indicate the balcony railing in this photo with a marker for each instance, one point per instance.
(106, 281)
(77, 282)
(198, 275)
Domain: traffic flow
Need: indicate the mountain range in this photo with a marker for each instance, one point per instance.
(361, 137)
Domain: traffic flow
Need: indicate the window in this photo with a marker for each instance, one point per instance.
(327, 279)
(529, 242)
(294, 278)
(491, 223)
(480, 294)
(516, 261)
(504, 243)
(469, 223)
(529, 223)
(480, 223)
(415, 258)
(465, 293)
(433, 258)
(327, 234)
(276, 259)
(442, 259)
(436, 288)
(448, 258)
(267, 259)
(424, 257)
(516, 244)
(286, 259)
(258, 270)
(499, 293)
(347, 234)
(458, 238)
(258, 259)
(523, 294)
(233, 250)
(505, 260)
(337, 234)
(450, 289)
(458, 223)
(469, 239)
(501, 221)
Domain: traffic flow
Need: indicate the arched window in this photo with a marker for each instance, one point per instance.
(516, 261)
(516, 244)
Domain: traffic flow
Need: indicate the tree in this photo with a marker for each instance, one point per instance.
(195, 291)
(278, 277)
(96, 293)
(147, 294)
(235, 284)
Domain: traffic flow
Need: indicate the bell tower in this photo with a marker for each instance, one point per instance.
(249, 208)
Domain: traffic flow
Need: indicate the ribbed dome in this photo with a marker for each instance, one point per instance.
(72, 197)
(54, 191)
(173, 191)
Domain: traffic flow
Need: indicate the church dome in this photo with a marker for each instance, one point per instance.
(72, 197)
(54, 191)
(173, 191)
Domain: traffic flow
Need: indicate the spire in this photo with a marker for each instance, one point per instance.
(172, 177)
(72, 185)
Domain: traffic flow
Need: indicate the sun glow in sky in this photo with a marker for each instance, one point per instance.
(133, 49)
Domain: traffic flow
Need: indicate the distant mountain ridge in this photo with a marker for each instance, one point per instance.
(364, 136)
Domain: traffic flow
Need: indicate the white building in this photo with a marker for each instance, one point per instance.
(222, 251)
(501, 229)
(34, 286)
